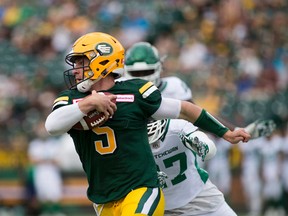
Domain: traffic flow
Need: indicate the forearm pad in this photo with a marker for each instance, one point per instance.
(208, 123)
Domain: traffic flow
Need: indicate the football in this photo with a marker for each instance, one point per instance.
(93, 119)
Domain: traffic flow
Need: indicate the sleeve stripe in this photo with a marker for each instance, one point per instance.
(145, 87)
(149, 91)
(64, 98)
(59, 103)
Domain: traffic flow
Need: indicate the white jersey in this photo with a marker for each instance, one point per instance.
(284, 168)
(174, 87)
(47, 176)
(218, 167)
(271, 169)
(251, 179)
(185, 178)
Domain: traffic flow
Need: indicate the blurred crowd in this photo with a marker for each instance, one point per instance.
(233, 54)
(253, 177)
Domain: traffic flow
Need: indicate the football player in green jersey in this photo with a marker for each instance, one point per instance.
(116, 156)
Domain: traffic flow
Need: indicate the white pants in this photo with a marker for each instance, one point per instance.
(209, 202)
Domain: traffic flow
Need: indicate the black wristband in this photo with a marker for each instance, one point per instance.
(208, 123)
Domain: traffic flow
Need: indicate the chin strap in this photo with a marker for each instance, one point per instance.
(85, 86)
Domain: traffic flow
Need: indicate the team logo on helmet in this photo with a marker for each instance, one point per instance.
(104, 48)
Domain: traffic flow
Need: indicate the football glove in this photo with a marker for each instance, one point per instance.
(161, 178)
(260, 128)
(199, 143)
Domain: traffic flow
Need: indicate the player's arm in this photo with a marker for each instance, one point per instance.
(172, 108)
(64, 118)
(256, 129)
(100, 102)
(207, 122)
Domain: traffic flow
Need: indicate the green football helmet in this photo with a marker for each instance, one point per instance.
(142, 61)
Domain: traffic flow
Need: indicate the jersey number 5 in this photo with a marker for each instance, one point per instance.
(110, 136)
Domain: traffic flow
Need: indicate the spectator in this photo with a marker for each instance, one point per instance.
(46, 174)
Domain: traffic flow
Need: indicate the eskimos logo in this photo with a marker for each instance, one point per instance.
(105, 48)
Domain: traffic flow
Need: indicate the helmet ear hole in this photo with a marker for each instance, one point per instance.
(104, 62)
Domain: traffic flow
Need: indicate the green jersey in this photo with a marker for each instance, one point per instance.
(116, 156)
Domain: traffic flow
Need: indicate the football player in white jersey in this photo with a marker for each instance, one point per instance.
(176, 146)
(142, 60)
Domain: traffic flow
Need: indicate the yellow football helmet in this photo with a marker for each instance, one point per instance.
(105, 54)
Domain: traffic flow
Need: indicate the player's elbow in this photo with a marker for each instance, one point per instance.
(212, 150)
(52, 128)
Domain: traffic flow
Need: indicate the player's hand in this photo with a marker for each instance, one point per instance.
(236, 136)
(260, 128)
(100, 102)
(161, 178)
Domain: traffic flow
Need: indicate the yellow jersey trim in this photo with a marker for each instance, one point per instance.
(64, 98)
(145, 87)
